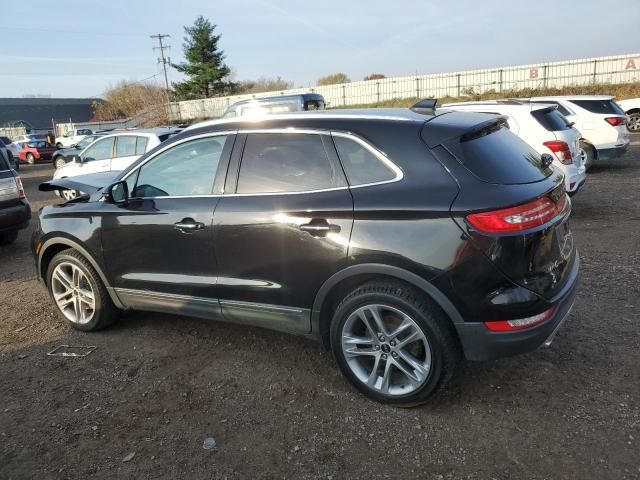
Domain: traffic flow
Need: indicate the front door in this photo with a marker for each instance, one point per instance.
(283, 230)
(96, 157)
(169, 221)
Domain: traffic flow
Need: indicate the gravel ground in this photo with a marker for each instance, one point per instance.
(158, 385)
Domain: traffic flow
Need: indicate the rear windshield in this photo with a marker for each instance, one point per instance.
(600, 106)
(551, 120)
(4, 165)
(496, 155)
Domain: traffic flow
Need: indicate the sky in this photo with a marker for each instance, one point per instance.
(81, 48)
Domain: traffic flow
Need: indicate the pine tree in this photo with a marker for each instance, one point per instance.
(207, 74)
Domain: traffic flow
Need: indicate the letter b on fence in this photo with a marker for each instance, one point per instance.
(533, 73)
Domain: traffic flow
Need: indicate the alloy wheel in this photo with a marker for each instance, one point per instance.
(73, 293)
(59, 162)
(386, 350)
(633, 125)
(68, 194)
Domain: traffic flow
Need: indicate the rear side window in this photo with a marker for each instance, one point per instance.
(600, 106)
(495, 155)
(551, 120)
(141, 145)
(360, 164)
(286, 162)
(125, 146)
(4, 165)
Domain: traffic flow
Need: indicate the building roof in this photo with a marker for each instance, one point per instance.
(39, 112)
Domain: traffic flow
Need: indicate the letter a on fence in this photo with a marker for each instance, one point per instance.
(631, 64)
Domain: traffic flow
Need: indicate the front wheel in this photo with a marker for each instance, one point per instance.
(79, 293)
(634, 122)
(393, 343)
(59, 161)
(31, 159)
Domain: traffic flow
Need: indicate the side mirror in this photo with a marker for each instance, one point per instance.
(117, 193)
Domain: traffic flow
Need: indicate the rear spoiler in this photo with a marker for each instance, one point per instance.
(456, 124)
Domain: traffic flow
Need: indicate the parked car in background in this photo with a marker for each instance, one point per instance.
(542, 127)
(28, 137)
(402, 239)
(8, 150)
(601, 122)
(278, 104)
(65, 155)
(8, 143)
(72, 137)
(112, 153)
(15, 210)
(35, 151)
(632, 108)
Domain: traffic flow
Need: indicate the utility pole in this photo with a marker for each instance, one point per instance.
(164, 60)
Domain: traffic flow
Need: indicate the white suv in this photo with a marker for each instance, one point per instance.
(113, 152)
(542, 127)
(631, 107)
(601, 122)
(72, 137)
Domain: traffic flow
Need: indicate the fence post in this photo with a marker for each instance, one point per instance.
(344, 97)
(501, 72)
(595, 70)
(544, 76)
(378, 92)
(417, 87)
(458, 83)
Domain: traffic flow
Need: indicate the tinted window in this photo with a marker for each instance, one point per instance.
(360, 165)
(4, 165)
(101, 150)
(5, 140)
(496, 155)
(287, 162)
(561, 108)
(599, 106)
(551, 120)
(84, 132)
(141, 145)
(184, 170)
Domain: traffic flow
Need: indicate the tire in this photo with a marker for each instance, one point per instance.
(59, 161)
(633, 125)
(588, 154)
(86, 305)
(59, 145)
(373, 365)
(7, 238)
(31, 159)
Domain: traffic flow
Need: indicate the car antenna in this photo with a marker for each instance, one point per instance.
(425, 107)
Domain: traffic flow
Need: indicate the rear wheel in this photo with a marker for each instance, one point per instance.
(633, 125)
(7, 238)
(393, 343)
(79, 293)
(31, 159)
(587, 154)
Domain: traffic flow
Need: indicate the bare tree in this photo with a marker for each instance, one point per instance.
(128, 99)
(333, 79)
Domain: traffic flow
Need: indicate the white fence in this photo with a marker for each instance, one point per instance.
(614, 69)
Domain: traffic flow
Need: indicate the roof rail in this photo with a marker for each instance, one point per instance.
(425, 107)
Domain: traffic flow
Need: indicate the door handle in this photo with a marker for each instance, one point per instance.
(319, 228)
(189, 225)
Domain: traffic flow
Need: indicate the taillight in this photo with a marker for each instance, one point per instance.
(518, 324)
(518, 218)
(21, 193)
(561, 150)
(616, 121)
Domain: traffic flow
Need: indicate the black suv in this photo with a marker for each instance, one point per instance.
(403, 240)
(15, 210)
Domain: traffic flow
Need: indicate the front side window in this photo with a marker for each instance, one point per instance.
(101, 150)
(188, 169)
(286, 162)
(360, 164)
(126, 146)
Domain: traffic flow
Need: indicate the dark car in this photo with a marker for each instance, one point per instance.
(14, 161)
(403, 240)
(15, 210)
(65, 155)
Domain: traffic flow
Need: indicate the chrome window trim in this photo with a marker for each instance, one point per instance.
(309, 131)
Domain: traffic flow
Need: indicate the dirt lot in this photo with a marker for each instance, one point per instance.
(158, 385)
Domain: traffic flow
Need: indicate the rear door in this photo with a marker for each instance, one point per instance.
(283, 227)
(125, 152)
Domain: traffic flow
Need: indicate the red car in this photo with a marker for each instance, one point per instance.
(33, 151)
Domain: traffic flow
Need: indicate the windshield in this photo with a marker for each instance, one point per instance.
(86, 141)
(600, 106)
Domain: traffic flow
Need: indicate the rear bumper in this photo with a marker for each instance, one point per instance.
(15, 218)
(479, 343)
(611, 153)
